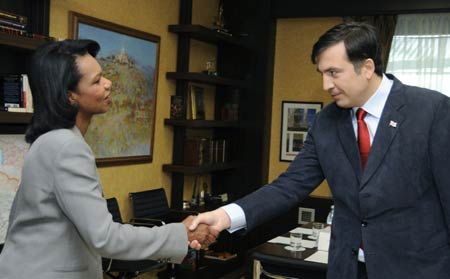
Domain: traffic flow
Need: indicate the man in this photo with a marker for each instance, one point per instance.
(391, 189)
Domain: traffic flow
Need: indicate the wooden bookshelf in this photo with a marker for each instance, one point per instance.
(207, 79)
(192, 170)
(21, 42)
(207, 35)
(15, 117)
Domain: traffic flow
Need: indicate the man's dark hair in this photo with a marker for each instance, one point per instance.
(361, 42)
(53, 74)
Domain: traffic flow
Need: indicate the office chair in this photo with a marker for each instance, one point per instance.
(125, 268)
(151, 205)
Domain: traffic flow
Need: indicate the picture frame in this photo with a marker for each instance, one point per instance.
(296, 119)
(196, 103)
(130, 59)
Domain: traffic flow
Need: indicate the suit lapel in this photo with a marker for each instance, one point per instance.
(348, 141)
(390, 121)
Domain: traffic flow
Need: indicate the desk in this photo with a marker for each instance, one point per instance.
(275, 259)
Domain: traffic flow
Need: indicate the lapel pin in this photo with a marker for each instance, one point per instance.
(393, 124)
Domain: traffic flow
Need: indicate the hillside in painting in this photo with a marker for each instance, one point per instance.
(126, 129)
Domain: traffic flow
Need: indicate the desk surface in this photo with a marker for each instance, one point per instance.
(276, 259)
(276, 254)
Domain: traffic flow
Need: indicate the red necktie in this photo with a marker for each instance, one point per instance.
(363, 136)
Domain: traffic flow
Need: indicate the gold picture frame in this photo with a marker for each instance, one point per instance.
(129, 58)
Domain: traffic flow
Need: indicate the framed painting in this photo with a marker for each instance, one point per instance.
(129, 58)
(296, 119)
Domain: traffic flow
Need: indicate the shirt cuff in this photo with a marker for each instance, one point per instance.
(237, 217)
(361, 256)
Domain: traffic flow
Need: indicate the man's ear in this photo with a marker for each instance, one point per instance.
(368, 68)
(72, 97)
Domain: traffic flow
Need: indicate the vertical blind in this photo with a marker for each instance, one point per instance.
(420, 51)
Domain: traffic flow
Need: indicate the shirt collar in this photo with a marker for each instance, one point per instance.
(374, 106)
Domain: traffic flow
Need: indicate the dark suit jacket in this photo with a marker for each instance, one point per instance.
(398, 208)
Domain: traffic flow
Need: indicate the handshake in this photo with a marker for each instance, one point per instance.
(204, 228)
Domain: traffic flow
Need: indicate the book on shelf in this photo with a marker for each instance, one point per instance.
(4, 22)
(11, 90)
(192, 103)
(219, 150)
(21, 19)
(196, 151)
(16, 93)
(12, 31)
(199, 102)
(203, 151)
(23, 33)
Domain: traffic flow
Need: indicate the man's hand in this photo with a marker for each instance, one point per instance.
(217, 220)
(201, 236)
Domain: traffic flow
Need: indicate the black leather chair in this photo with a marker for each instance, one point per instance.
(151, 205)
(121, 269)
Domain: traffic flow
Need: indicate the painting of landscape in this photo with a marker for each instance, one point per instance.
(125, 132)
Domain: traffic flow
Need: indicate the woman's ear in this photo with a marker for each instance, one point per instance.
(72, 97)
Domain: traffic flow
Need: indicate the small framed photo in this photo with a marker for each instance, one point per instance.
(296, 119)
(176, 107)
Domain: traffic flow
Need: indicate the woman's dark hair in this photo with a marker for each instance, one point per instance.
(53, 74)
(361, 42)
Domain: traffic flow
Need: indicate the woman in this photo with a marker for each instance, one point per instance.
(59, 225)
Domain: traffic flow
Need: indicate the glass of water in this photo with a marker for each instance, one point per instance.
(295, 241)
(316, 228)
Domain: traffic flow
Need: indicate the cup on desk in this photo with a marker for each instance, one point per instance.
(316, 228)
(295, 241)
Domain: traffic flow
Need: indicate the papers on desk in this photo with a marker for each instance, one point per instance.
(302, 230)
(280, 240)
(321, 256)
(285, 240)
(318, 257)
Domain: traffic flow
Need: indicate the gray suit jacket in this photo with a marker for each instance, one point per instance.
(398, 208)
(60, 226)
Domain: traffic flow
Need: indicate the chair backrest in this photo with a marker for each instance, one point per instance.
(150, 204)
(113, 208)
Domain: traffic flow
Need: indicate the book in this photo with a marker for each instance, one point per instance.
(192, 104)
(198, 102)
(16, 93)
(221, 256)
(27, 98)
(11, 90)
(219, 150)
(12, 31)
(8, 23)
(197, 151)
(21, 19)
(189, 106)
